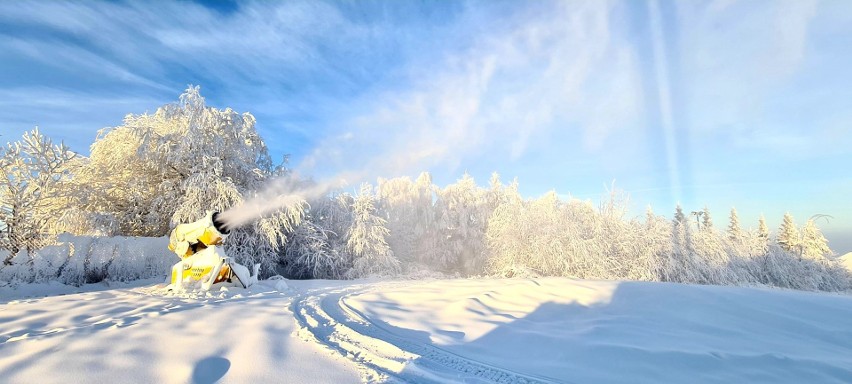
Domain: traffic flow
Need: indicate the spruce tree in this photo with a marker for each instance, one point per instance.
(734, 230)
(679, 217)
(707, 220)
(650, 218)
(368, 239)
(814, 244)
(788, 235)
(762, 229)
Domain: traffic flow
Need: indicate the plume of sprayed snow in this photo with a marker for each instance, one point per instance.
(281, 193)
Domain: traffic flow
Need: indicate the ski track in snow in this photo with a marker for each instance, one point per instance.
(324, 317)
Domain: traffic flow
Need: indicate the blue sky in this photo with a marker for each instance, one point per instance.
(728, 103)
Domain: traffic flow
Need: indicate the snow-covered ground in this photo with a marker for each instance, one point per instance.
(140, 335)
(515, 330)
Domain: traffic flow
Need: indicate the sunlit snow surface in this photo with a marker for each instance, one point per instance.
(517, 330)
(143, 335)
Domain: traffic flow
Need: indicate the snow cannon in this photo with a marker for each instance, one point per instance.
(203, 261)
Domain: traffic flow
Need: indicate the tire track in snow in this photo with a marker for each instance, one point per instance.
(324, 317)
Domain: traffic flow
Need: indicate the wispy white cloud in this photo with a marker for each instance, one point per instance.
(69, 116)
(734, 55)
(274, 59)
(391, 88)
(563, 67)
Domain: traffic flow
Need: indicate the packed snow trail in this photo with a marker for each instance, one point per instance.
(383, 354)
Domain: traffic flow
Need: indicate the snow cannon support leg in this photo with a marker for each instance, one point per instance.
(241, 273)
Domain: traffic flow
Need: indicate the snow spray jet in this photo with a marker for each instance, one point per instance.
(280, 193)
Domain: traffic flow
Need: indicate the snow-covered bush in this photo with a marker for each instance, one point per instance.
(77, 260)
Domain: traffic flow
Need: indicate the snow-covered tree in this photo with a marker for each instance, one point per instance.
(814, 244)
(707, 221)
(788, 234)
(396, 203)
(650, 217)
(762, 229)
(408, 208)
(33, 193)
(158, 170)
(316, 248)
(735, 233)
(462, 213)
(679, 217)
(655, 241)
(426, 228)
(367, 239)
(682, 263)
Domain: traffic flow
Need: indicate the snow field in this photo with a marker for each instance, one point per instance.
(578, 331)
(467, 330)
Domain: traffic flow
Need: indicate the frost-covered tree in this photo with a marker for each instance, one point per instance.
(317, 247)
(679, 217)
(650, 217)
(707, 221)
(762, 229)
(814, 245)
(462, 212)
(426, 228)
(33, 193)
(788, 234)
(367, 239)
(655, 239)
(682, 263)
(408, 208)
(170, 166)
(396, 199)
(158, 170)
(735, 233)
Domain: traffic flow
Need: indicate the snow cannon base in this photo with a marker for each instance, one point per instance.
(210, 268)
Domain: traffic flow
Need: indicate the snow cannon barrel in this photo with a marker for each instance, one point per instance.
(219, 224)
(187, 239)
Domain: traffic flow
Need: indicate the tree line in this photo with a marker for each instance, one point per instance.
(160, 169)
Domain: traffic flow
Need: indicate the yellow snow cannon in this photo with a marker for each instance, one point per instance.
(203, 261)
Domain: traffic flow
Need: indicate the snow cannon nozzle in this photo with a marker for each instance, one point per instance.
(220, 225)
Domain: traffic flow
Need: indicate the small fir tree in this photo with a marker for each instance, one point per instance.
(788, 235)
(368, 238)
(734, 230)
(707, 221)
(814, 245)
